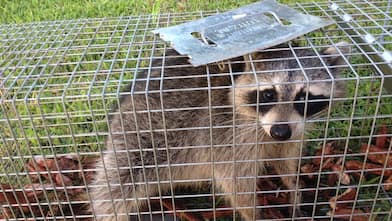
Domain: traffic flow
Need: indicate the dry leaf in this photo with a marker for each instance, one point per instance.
(36, 189)
(328, 150)
(381, 141)
(348, 195)
(307, 168)
(183, 215)
(377, 154)
(64, 171)
(272, 213)
(17, 197)
(328, 163)
(276, 200)
(369, 167)
(358, 215)
(332, 179)
(345, 178)
(209, 215)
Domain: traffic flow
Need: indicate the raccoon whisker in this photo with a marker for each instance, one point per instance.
(240, 132)
(241, 118)
(206, 118)
(221, 113)
(317, 115)
(249, 130)
(252, 117)
(239, 138)
(237, 121)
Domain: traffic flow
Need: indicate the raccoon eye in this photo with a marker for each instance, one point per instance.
(268, 95)
(313, 107)
(265, 96)
(302, 97)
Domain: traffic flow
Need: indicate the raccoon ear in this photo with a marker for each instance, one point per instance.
(334, 57)
(249, 58)
(247, 62)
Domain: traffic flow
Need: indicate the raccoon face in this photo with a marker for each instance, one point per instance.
(281, 109)
(281, 89)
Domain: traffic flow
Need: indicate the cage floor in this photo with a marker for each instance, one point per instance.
(59, 81)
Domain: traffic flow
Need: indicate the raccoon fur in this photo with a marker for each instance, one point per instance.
(185, 124)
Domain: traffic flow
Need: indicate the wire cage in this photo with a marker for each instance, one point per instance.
(100, 119)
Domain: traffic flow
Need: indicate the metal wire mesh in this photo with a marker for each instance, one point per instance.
(61, 83)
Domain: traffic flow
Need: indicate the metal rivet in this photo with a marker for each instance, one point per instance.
(334, 6)
(369, 38)
(387, 55)
(347, 17)
(239, 16)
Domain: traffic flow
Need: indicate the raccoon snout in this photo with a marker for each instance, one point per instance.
(280, 131)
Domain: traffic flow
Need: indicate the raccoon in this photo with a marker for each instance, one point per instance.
(185, 124)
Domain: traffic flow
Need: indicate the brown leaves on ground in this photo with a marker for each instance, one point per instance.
(379, 156)
(20, 199)
(349, 214)
(343, 200)
(64, 179)
(270, 196)
(326, 160)
(382, 140)
(371, 168)
(342, 204)
(266, 198)
(329, 160)
(52, 179)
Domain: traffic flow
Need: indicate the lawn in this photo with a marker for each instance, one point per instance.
(43, 10)
(63, 104)
(28, 11)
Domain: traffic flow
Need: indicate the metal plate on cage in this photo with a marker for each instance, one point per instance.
(238, 32)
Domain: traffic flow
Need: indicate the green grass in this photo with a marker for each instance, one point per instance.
(44, 127)
(37, 10)
(43, 10)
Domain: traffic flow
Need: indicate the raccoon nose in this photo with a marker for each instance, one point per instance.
(280, 131)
